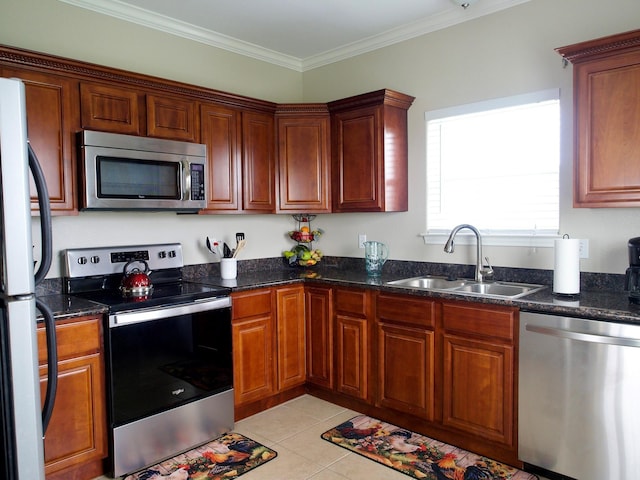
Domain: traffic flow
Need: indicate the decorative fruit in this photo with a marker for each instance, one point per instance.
(302, 255)
(304, 229)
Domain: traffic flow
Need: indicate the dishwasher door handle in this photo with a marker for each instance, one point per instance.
(583, 337)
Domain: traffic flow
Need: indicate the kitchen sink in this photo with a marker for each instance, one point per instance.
(468, 286)
(500, 289)
(429, 283)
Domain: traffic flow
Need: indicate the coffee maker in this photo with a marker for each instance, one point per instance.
(632, 280)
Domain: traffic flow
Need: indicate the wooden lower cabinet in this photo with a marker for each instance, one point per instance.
(254, 345)
(352, 341)
(76, 441)
(319, 318)
(479, 370)
(268, 329)
(291, 337)
(406, 355)
(443, 368)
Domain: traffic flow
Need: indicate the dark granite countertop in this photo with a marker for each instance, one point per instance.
(602, 296)
(67, 306)
(594, 302)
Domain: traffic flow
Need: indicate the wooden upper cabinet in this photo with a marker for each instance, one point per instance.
(52, 120)
(220, 129)
(607, 120)
(369, 152)
(111, 109)
(258, 162)
(303, 152)
(173, 118)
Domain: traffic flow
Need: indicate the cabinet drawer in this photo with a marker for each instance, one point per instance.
(494, 322)
(74, 339)
(352, 302)
(251, 304)
(406, 310)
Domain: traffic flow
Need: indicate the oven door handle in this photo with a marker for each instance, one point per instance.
(149, 314)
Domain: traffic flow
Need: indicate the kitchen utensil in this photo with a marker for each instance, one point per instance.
(226, 251)
(240, 246)
(135, 282)
(239, 236)
(213, 246)
(375, 254)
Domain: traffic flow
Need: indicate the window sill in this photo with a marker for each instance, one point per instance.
(505, 240)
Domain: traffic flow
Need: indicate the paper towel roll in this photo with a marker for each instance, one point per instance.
(566, 270)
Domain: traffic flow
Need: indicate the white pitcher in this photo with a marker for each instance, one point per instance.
(375, 254)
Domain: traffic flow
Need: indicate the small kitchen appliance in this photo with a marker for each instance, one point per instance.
(375, 254)
(168, 351)
(632, 278)
(128, 172)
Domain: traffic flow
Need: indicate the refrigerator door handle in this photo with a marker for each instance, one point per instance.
(45, 215)
(52, 364)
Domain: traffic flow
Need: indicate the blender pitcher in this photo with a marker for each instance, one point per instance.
(375, 254)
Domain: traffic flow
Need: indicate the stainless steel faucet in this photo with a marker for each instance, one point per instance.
(482, 273)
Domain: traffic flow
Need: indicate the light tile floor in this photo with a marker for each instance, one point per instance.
(293, 430)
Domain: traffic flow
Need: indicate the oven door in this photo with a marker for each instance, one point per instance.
(162, 358)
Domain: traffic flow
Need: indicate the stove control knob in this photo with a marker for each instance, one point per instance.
(82, 260)
(162, 254)
(172, 253)
(95, 259)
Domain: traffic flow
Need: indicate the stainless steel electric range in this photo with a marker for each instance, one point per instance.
(168, 352)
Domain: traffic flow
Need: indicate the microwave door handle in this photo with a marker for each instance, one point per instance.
(186, 175)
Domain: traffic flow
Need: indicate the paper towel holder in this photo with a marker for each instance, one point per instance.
(566, 272)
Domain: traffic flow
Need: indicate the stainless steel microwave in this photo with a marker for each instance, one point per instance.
(125, 172)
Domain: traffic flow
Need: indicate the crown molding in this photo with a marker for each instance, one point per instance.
(146, 18)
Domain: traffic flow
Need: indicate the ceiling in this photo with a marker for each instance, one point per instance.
(297, 34)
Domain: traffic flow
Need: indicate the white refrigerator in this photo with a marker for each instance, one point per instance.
(21, 415)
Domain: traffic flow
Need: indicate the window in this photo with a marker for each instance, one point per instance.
(495, 165)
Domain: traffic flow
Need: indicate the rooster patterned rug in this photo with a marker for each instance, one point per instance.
(226, 458)
(416, 455)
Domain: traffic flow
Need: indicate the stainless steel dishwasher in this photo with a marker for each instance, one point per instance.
(579, 397)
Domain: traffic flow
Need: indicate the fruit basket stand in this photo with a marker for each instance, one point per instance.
(303, 254)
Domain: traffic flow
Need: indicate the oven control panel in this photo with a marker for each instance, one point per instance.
(88, 262)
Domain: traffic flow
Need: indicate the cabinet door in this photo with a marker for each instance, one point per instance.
(303, 164)
(352, 342)
(258, 163)
(319, 313)
(608, 136)
(370, 152)
(357, 168)
(606, 80)
(77, 430)
(76, 440)
(254, 344)
(479, 370)
(478, 387)
(52, 120)
(111, 109)
(406, 355)
(220, 132)
(291, 337)
(172, 118)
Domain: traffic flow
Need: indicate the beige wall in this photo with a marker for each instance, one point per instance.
(507, 53)
(502, 54)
